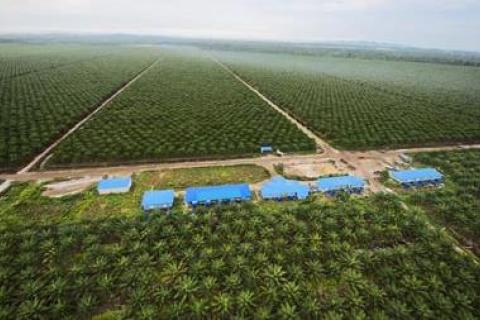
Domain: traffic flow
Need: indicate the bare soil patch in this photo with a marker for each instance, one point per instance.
(69, 187)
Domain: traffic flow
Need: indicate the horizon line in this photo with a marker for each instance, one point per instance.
(234, 39)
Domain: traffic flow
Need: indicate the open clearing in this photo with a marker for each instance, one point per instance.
(314, 169)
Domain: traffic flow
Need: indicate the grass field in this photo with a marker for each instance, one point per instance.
(183, 178)
(457, 206)
(186, 107)
(363, 104)
(91, 256)
(45, 90)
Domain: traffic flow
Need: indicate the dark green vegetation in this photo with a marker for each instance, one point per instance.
(362, 104)
(45, 90)
(457, 206)
(351, 50)
(185, 107)
(350, 258)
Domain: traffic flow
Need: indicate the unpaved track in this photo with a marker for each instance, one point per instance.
(47, 151)
(321, 144)
(135, 168)
(353, 158)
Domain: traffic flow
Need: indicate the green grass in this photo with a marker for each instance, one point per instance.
(183, 178)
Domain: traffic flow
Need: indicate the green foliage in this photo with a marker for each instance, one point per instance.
(359, 104)
(186, 107)
(362, 258)
(458, 204)
(46, 90)
(188, 177)
(24, 202)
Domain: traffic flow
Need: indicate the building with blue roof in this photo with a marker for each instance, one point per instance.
(114, 185)
(217, 194)
(279, 188)
(265, 148)
(334, 185)
(417, 177)
(158, 199)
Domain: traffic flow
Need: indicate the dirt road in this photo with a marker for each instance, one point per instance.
(321, 144)
(361, 163)
(48, 150)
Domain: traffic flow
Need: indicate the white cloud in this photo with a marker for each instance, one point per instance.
(428, 22)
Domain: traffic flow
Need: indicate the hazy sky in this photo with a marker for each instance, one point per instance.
(429, 23)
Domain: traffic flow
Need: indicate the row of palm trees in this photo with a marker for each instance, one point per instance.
(457, 205)
(349, 258)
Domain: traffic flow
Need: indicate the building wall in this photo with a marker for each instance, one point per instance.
(113, 191)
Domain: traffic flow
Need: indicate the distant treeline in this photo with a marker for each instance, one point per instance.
(345, 49)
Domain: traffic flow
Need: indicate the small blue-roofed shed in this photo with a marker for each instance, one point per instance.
(279, 188)
(265, 148)
(417, 177)
(114, 185)
(158, 199)
(334, 185)
(217, 194)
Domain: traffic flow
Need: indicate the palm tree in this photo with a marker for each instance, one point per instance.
(274, 274)
(31, 309)
(287, 311)
(147, 312)
(232, 282)
(209, 283)
(222, 304)
(105, 282)
(185, 287)
(86, 304)
(173, 271)
(245, 302)
(199, 308)
(292, 291)
(59, 309)
(263, 313)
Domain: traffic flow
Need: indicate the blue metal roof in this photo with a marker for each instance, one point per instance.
(114, 183)
(158, 199)
(218, 193)
(339, 183)
(416, 175)
(266, 148)
(279, 187)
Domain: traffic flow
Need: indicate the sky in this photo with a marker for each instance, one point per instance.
(445, 24)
